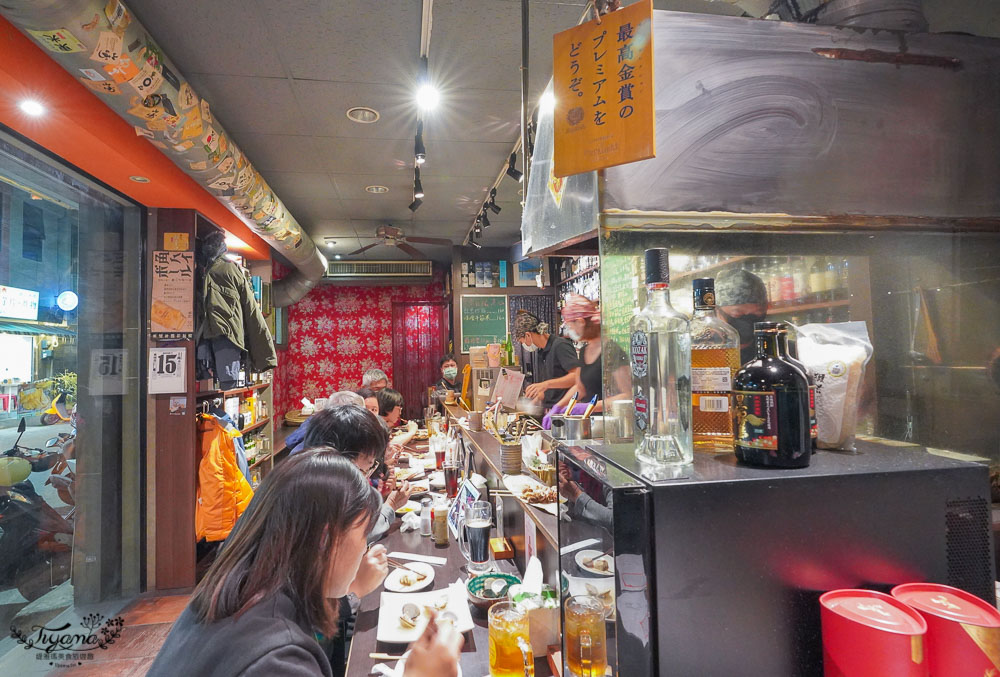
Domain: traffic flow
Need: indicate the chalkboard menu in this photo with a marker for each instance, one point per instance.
(483, 320)
(619, 298)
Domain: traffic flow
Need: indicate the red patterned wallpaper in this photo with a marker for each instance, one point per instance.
(335, 333)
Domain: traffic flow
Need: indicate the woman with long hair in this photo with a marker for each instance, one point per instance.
(300, 545)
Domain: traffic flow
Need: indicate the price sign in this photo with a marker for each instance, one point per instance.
(107, 371)
(167, 370)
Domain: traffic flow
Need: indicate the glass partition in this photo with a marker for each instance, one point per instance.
(930, 302)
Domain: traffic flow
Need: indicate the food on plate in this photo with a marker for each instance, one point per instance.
(607, 597)
(599, 564)
(409, 616)
(406, 580)
(539, 494)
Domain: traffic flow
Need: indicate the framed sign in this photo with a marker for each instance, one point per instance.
(171, 315)
(603, 85)
(482, 320)
(167, 369)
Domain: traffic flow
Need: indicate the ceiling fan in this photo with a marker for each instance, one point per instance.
(390, 235)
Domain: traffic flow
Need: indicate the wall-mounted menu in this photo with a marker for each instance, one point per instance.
(483, 319)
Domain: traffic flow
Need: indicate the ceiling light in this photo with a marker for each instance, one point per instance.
(378, 190)
(32, 108)
(547, 102)
(512, 171)
(139, 179)
(336, 256)
(363, 114)
(233, 242)
(475, 244)
(418, 190)
(415, 205)
(493, 202)
(330, 244)
(428, 96)
(485, 219)
(478, 230)
(419, 152)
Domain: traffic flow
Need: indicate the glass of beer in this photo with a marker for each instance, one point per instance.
(474, 536)
(586, 637)
(510, 648)
(451, 479)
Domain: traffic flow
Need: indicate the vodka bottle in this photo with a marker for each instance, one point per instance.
(661, 371)
(715, 358)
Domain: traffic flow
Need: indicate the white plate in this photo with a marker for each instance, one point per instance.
(401, 667)
(409, 506)
(391, 606)
(585, 555)
(436, 480)
(594, 587)
(394, 581)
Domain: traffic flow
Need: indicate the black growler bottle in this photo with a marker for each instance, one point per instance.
(771, 403)
(789, 352)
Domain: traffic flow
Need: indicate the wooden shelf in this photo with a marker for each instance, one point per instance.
(259, 424)
(586, 271)
(787, 310)
(260, 460)
(707, 269)
(230, 393)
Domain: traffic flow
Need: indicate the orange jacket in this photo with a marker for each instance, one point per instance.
(223, 491)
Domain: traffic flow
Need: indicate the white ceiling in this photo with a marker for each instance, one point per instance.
(281, 75)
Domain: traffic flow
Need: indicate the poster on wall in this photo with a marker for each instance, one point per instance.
(167, 370)
(171, 315)
(21, 304)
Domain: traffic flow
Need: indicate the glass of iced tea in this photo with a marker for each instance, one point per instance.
(586, 636)
(451, 472)
(510, 648)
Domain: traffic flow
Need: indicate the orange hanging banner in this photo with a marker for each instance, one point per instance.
(603, 86)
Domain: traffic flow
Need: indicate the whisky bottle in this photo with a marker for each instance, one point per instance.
(790, 353)
(771, 402)
(660, 349)
(715, 357)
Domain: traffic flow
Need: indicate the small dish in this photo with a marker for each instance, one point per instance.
(395, 581)
(391, 630)
(476, 587)
(587, 555)
(436, 480)
(410, 506)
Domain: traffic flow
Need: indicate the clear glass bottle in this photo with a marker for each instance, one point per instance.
(817, 279)
(832, 275)
(774, 281)
(771, 402)
(800, 275)
(715, 358)
(660, 349)
(787, 282)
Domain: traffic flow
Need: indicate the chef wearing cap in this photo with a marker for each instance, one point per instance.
(741, 299)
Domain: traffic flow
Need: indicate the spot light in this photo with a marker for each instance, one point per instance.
(419, 152)
(475, 244)
(493, 202)
(32, 108)
(484, 218)
(415, 205)
(428, 96)
(512, 170)
(418, 189)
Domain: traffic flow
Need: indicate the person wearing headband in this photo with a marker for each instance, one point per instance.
(742, 301)
(558, 364)
(582, 320)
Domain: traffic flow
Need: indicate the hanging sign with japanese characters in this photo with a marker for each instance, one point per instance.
(171, 315)
(603, 84)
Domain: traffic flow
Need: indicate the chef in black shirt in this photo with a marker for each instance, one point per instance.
(582, 318)
(558, 364)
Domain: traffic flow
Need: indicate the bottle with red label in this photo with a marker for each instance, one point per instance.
(771, 406)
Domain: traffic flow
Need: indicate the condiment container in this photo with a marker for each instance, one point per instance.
(871, 634)
(426, 518)
(963, 631)
(440, 525)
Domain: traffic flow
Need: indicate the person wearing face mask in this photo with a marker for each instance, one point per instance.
(558, 364)
(742, 301)
(582, 318)
(449, 374)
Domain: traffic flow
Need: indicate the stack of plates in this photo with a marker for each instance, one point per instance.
(510, 459)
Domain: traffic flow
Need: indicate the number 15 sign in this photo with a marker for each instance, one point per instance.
(167, 368)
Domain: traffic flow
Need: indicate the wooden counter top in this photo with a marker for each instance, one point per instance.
(489, 448)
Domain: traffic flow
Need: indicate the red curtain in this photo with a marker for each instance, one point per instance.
(419, 339)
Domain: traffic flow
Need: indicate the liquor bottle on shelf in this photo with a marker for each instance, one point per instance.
(715, 357)
(788, 347)
(800, 278)
(774, 281)
(843, 272)
(832, 276)
(660, 347)
(771, 402)
(787, 282)
(817, 279)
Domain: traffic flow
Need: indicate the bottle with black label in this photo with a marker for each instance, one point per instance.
(790, 353)
(771, 403)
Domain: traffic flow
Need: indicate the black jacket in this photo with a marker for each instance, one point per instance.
(268, 639)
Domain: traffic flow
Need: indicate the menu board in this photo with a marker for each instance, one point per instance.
(483, 320)
(619, 299)
(171, 315)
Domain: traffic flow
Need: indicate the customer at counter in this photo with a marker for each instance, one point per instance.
(371, 402)
(449, 373)
(558, 364)
(582, 318)
(294, 440)
(742, 301)
(390, 408)
(299, 547)
(376, 379)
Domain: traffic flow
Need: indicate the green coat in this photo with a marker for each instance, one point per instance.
(227, 308)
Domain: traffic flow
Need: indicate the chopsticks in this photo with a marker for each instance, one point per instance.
(384, 657)
(402, 565)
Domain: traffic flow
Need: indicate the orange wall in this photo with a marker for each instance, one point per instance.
(82, 130)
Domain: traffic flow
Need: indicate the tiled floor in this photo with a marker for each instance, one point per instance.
(147, 622)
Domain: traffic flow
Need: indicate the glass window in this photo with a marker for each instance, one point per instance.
(70, 402)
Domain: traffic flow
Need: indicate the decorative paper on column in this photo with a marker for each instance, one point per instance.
(100, 43)
(603, 74)
(171, 315)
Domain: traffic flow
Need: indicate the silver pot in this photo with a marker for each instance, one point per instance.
(571, 428)
(619, 424)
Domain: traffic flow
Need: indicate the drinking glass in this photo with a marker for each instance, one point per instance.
(586, 636)
(510, 648)
(474, 536)
(451, 479)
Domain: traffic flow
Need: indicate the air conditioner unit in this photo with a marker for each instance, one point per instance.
(374, 270)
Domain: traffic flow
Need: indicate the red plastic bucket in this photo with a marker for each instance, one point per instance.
(871, 634)
(963, 631)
